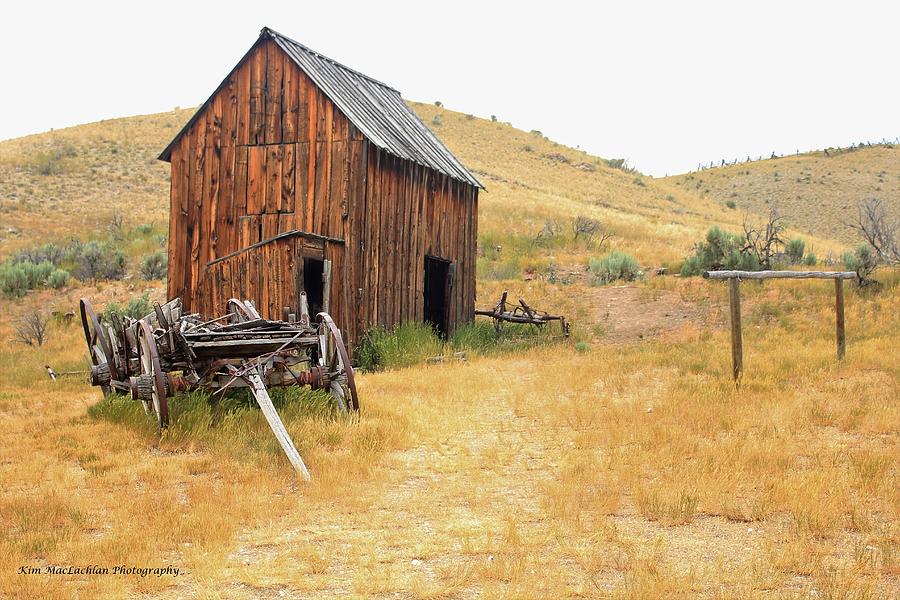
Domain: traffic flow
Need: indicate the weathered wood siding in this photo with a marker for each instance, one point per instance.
(271, 154)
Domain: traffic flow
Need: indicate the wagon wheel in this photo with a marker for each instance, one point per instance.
(149, 359)
(238, 312)
(334, 358)
(98, 344)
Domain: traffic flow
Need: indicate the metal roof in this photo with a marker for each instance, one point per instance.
(375, 108)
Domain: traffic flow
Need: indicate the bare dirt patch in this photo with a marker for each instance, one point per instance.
(629, 313)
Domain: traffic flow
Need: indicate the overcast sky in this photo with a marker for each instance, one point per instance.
(666, 85)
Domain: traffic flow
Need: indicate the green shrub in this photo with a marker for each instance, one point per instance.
(137, 307)
(582, 347)
(16, 278)
(155, 266)
(614, 266)
(730, 204)
(720, 250)
(862, 260)
(95, 260)
(794, 250)
(810, 260)
(58, 279)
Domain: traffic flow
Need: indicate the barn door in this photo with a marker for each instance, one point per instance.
(313, 276)
(438, 289)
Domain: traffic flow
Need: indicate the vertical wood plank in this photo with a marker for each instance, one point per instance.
(257, 133)
(839, 317)
(286, 199)
(291, 108)
(256, 180)
(274, 155)
(737, 350)
(274, 63)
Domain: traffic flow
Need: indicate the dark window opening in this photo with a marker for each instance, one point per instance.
(313, 285)
(437, 272)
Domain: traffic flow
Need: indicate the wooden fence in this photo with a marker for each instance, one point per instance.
(734, 300)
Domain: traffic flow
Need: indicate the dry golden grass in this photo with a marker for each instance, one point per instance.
(632, 471)
(815, 192)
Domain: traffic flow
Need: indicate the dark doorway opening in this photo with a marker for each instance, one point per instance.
(437, 288)
(313, 285)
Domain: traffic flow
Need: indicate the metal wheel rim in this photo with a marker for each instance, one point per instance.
(331, 347)
(149, 359)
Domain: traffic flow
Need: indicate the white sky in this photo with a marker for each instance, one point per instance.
(664, 84)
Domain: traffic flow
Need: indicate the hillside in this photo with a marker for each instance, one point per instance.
(72, 181)
(817, 192)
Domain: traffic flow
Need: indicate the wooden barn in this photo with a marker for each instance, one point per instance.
(300, 174)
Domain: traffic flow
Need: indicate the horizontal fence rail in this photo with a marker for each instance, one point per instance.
(780, 274)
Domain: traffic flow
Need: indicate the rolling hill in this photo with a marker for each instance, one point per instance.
(71, 182)
(817, 191)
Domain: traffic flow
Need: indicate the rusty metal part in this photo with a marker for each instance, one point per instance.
(523, 314)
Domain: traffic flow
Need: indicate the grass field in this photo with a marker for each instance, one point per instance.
(623, 462)
(631, 470)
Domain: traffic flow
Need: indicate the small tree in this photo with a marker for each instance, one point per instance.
(880, 230)
(763, 241)
(32, 329)
(864, 261)
(588, 228)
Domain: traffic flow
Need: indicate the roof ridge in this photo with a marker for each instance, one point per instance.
(272, 33)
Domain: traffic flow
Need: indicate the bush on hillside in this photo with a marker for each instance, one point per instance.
(616, 265)
(16, 278)
(96, 260)
(862, 260)
(137, 307)
(720, 250)
(155, 266)
(794, 250)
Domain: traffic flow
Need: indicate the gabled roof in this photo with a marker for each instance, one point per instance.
(374, 108)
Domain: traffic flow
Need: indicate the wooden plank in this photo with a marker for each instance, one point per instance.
(175, 193)
(780, 274)
(290, 98)
(211, 182)
(326, 286)
(240, 182)
(243, 104)
(257, 61)
(288, 178)
(225, 206)
(274, 421)
(320, 195)
(229, 112)
(734, 305)
(256, 180)
(275, 153)
(274, 63)
(839, 317)
(302, 208)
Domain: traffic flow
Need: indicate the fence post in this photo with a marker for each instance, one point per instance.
(737, 350)
(839, 316)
